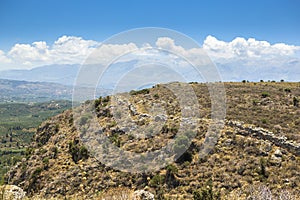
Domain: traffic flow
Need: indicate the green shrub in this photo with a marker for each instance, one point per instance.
(84, 119)
(296, 101)
(46, 161)
(264, 121)
(262, 170)
(181, 144)
(265, 94)
(97, 102)
(115, 139)
(84, 152)
(56, 128)
(157, 180)
(255, 102)
(143, 91)
(207, 192)
(77, 152)
(170, 179)
(55, 152)
(172, 169)
(105, 99)
(36, 173)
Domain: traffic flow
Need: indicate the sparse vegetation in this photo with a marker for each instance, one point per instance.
(265, 94)
(77, 151)
(206, 192)
(157, 180)
(143, 91)
(237, 162)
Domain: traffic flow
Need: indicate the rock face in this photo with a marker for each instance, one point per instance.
(11, 192)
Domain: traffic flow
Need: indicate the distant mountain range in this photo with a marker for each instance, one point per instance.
(57, 81)
(67, 74)
(24, 91)
(51, 82)
(62, 74)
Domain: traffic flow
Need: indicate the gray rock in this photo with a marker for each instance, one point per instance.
(275, 160)
(124, 129)
(228, 142)
(132, 110)
(265, 148)
(160, 118)
(144, 115)
(142, 195)
(278, 153)
(12, 192)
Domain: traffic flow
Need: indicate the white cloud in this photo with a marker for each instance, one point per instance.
(240, 48)
(108, 52)
(237, 58)
(66, 50)
(243, 58)
(252, 59)
(26, 54)
(72, 50)
(194, 54)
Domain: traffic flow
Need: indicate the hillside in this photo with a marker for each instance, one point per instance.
(258, 148)
(18, 123)
(24, 91)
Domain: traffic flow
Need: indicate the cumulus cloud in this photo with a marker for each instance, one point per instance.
(240, 48)
(236, 59)
(243, 58)
(66, 50)
(195, 55)
(108, 52)
(252, 59)
(26, 53)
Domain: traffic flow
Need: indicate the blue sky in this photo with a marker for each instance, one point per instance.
(35, 20)
(243, 38)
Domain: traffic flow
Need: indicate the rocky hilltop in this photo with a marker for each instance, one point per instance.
(258, 147)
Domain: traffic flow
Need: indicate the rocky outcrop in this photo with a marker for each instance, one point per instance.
(11, 192)
(142, 195)
(260, 133)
